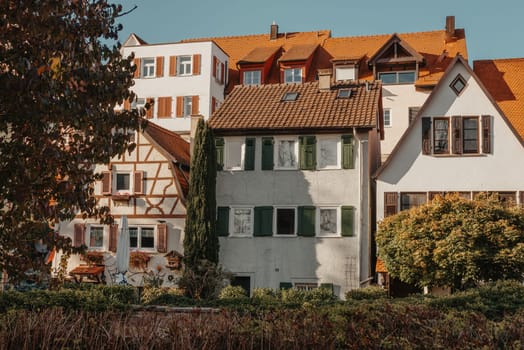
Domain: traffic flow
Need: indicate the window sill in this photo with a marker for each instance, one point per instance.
(464, 155)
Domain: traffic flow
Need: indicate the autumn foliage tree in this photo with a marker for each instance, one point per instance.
(454, 242)
(61, 76)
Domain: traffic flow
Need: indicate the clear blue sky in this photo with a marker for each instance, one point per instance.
(494, 29)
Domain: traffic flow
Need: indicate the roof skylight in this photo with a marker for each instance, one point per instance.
(344, 93)
(289, 96)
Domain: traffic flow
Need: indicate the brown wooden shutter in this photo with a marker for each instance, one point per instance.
(106, 182)
(127, 105)
(161, 246)
(486, 133)
(213, 104)
(149, 111)
(222, 73)
(164, 107)
(426, 135)
(194, 105)
(390, 203)
(160, 66)
(138, 185)
(172, 66)
(456, 134)
(113, 237)
(180, 106)
(215, 59)
(196, 64)
(79, 235)
(522, 199)
(137, 70)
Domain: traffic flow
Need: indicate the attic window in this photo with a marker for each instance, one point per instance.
(458, 84)
(290, 96)
(344, 93)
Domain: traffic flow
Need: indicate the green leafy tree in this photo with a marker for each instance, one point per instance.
(454, 242)
(61, 76)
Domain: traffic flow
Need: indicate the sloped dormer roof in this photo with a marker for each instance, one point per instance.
(298, 53)
(259, 55)
(261, 109)
(504, 79)
(411, 53)
(134, 40)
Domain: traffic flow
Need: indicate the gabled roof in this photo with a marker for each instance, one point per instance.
(504, 79)
(176, 149)
(134, 40)
(259, 55)
(260, 109)
(298, 53)
(457, 60)
(392, 41)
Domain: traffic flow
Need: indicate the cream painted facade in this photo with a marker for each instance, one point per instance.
(409, 170)
(208, 88)
(293, 259)
(158, 203)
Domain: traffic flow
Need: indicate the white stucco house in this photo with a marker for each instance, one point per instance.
(293, 192)
(181, 79)
(148, 186)
(461, 141)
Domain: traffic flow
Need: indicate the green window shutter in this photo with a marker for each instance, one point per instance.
(249, 159)
(347, 152)
(223, 221)
(219, 145)
(267, 153)
(306, 221)
(263, 221)
(348, 218)
(286, 285)
(308, 152)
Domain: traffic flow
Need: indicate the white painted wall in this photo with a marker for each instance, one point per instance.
(501, 170)
(398, 98)
(270, 260)
(203, 85)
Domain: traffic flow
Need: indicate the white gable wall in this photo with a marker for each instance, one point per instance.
(411, 171)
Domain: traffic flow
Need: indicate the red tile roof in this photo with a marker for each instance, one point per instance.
(298, 53)
(259, 109)
(504, 79)
(259, 55)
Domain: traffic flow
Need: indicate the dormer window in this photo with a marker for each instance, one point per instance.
(293, 75)
(290, 96)
(252, 77)
(402, 77)
(345, 73)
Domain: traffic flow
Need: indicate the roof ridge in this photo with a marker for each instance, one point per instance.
(507, 59)
(387, 34)
(251, 35)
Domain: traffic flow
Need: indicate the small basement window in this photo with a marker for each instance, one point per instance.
(344, 93)
(290, 96)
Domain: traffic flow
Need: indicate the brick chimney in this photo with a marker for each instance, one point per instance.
(324, 79)
(450, 28)
(273, 31)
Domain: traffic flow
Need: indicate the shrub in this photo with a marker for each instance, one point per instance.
(367, 293)
(292, 296)
(265, 294)
(232, 292)
(320, 296)
(165, 296)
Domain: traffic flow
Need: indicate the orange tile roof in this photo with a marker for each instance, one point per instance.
(504, 79)
(259, 109)
(259, 55)
(298, 53)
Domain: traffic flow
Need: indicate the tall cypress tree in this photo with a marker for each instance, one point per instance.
(201, 239)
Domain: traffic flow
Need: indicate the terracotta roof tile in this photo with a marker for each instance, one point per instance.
(298, 53)
(504, 79)
(170, 141)
(260, 108)
(259, 55)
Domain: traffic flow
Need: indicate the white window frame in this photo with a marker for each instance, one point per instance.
(337, 220)
(148, 67)
(184, 65)
(305, 283)
(320, 141)
(188, 105)
(389, 124)
(139, 238)
(232, 221)
(275, 219)
(88, 237)
(227, 154)
(218, 71)
(277, 152)
(139, 103)
(128, 190)
(345, 70)
(295, 76)
(249, 75)
(397, 80)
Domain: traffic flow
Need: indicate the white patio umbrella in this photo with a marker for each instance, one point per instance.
(122, 249)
